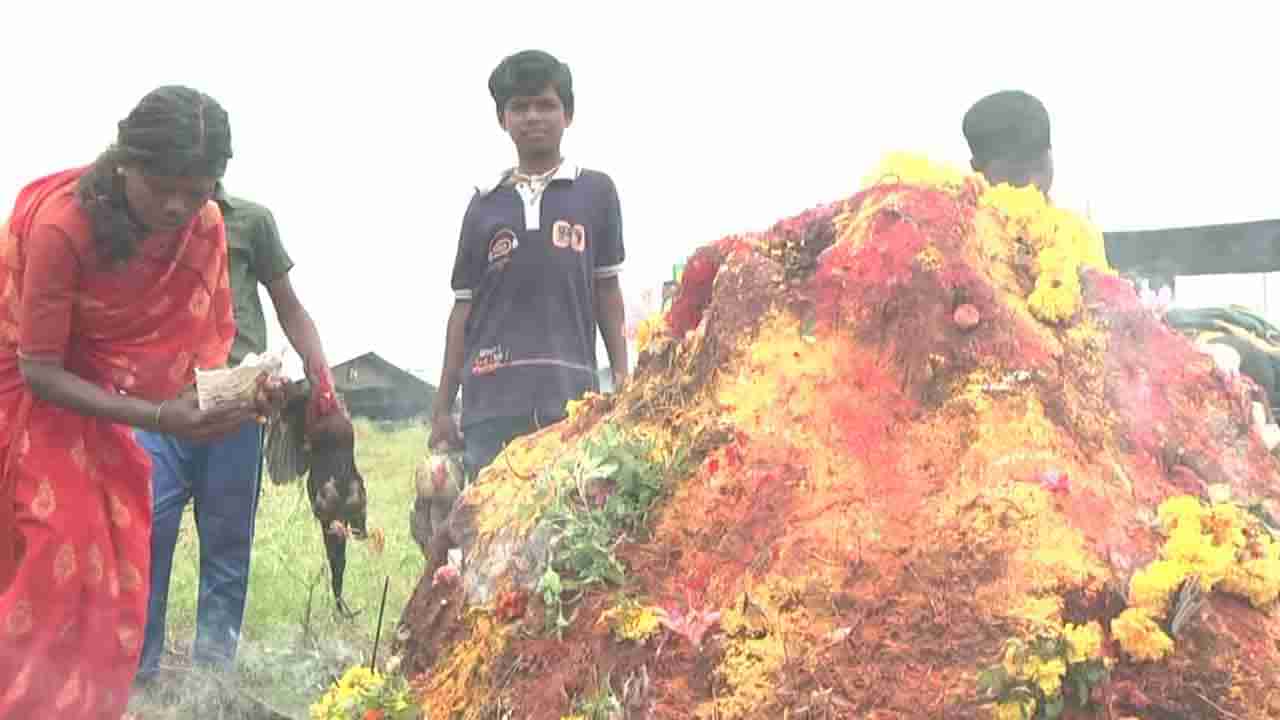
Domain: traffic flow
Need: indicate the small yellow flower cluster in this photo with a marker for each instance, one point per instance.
(1023, 708)
(1224, 545)
(343, 695)
(648, 329)
(1029, 667)
(1048, 667)
(632, 621)
(574, 408)
(929, 258)
(1221, 545)
(1140, 636)
(361, 694)
(1084, 642)
(1063, 241)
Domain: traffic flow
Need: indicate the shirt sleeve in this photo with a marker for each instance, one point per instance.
(468, 264)
(270, 260)
(609, 251)
(51, 275)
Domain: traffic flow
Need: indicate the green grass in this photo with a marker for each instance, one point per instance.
(293, 642)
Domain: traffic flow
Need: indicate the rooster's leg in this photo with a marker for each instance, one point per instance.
(335, 546)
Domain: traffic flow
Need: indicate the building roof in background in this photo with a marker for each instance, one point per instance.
(1250, 247)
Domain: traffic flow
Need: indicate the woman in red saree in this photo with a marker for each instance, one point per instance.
(113, 289)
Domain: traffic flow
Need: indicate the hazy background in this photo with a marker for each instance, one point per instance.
(364, 126)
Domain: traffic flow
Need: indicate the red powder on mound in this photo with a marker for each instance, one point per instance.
(696, 284)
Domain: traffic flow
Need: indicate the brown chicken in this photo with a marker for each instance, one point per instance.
(438, 480)
(314, 435)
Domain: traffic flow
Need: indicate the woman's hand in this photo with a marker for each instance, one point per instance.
(183, 418)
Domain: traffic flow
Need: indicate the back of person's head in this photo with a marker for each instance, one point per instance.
(1008, 136)
(528, 73)
(173, 132)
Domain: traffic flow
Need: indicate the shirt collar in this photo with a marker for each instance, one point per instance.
(567, 171)
(225, 202)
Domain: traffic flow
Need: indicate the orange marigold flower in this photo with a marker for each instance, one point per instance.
(1140, 636)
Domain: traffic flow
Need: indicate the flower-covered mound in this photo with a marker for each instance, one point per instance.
(916, 453)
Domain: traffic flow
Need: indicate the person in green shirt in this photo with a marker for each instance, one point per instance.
(223, 478)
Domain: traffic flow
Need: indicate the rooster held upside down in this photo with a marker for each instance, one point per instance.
(313, 435)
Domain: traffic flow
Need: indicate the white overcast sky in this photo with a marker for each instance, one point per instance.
(363, 125)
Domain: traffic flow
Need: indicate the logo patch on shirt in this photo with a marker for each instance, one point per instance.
(503, 242)
(565, 235)
(488, 360)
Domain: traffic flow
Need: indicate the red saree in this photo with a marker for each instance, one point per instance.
(75, 498)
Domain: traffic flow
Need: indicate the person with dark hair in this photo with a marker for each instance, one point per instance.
(536, 273)
(114, 289)
(1008, 136)
(223, 479)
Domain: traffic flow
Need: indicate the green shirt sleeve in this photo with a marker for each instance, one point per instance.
(270, 259)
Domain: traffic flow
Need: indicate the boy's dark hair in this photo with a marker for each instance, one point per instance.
(173, 131)
(1010, 125)
(529, 72)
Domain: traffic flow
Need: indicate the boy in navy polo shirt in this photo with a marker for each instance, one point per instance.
(1008, 134)
(536, 272)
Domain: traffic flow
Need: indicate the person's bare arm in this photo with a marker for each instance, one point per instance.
(611, 317)
(50, 382)
(297, 324)
(444, 430)
(53, 384)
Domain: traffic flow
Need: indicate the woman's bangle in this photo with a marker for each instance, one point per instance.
(159, 409)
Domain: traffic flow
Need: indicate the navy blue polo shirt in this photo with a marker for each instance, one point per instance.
(528, 263)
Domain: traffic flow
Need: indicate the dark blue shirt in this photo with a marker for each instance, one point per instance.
(528, 264)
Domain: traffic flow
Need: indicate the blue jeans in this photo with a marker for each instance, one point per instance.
(483, 441)
(223, 478)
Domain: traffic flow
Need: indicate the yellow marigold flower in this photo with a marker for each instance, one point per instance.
(1021, 709)
(646, 330)
(1256, 580)
(1197, 552)
(1019, 205)
(1151, 587)
(356, 681)
(1140, 636)
(1049, 676)
(573, 717)
(1179, 509)
(1056, 296)
(632, 621)
(914, 169)
(1083, 641)
(574, 408)
(929, 258)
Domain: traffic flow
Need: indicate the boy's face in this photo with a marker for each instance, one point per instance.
(536, 123)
